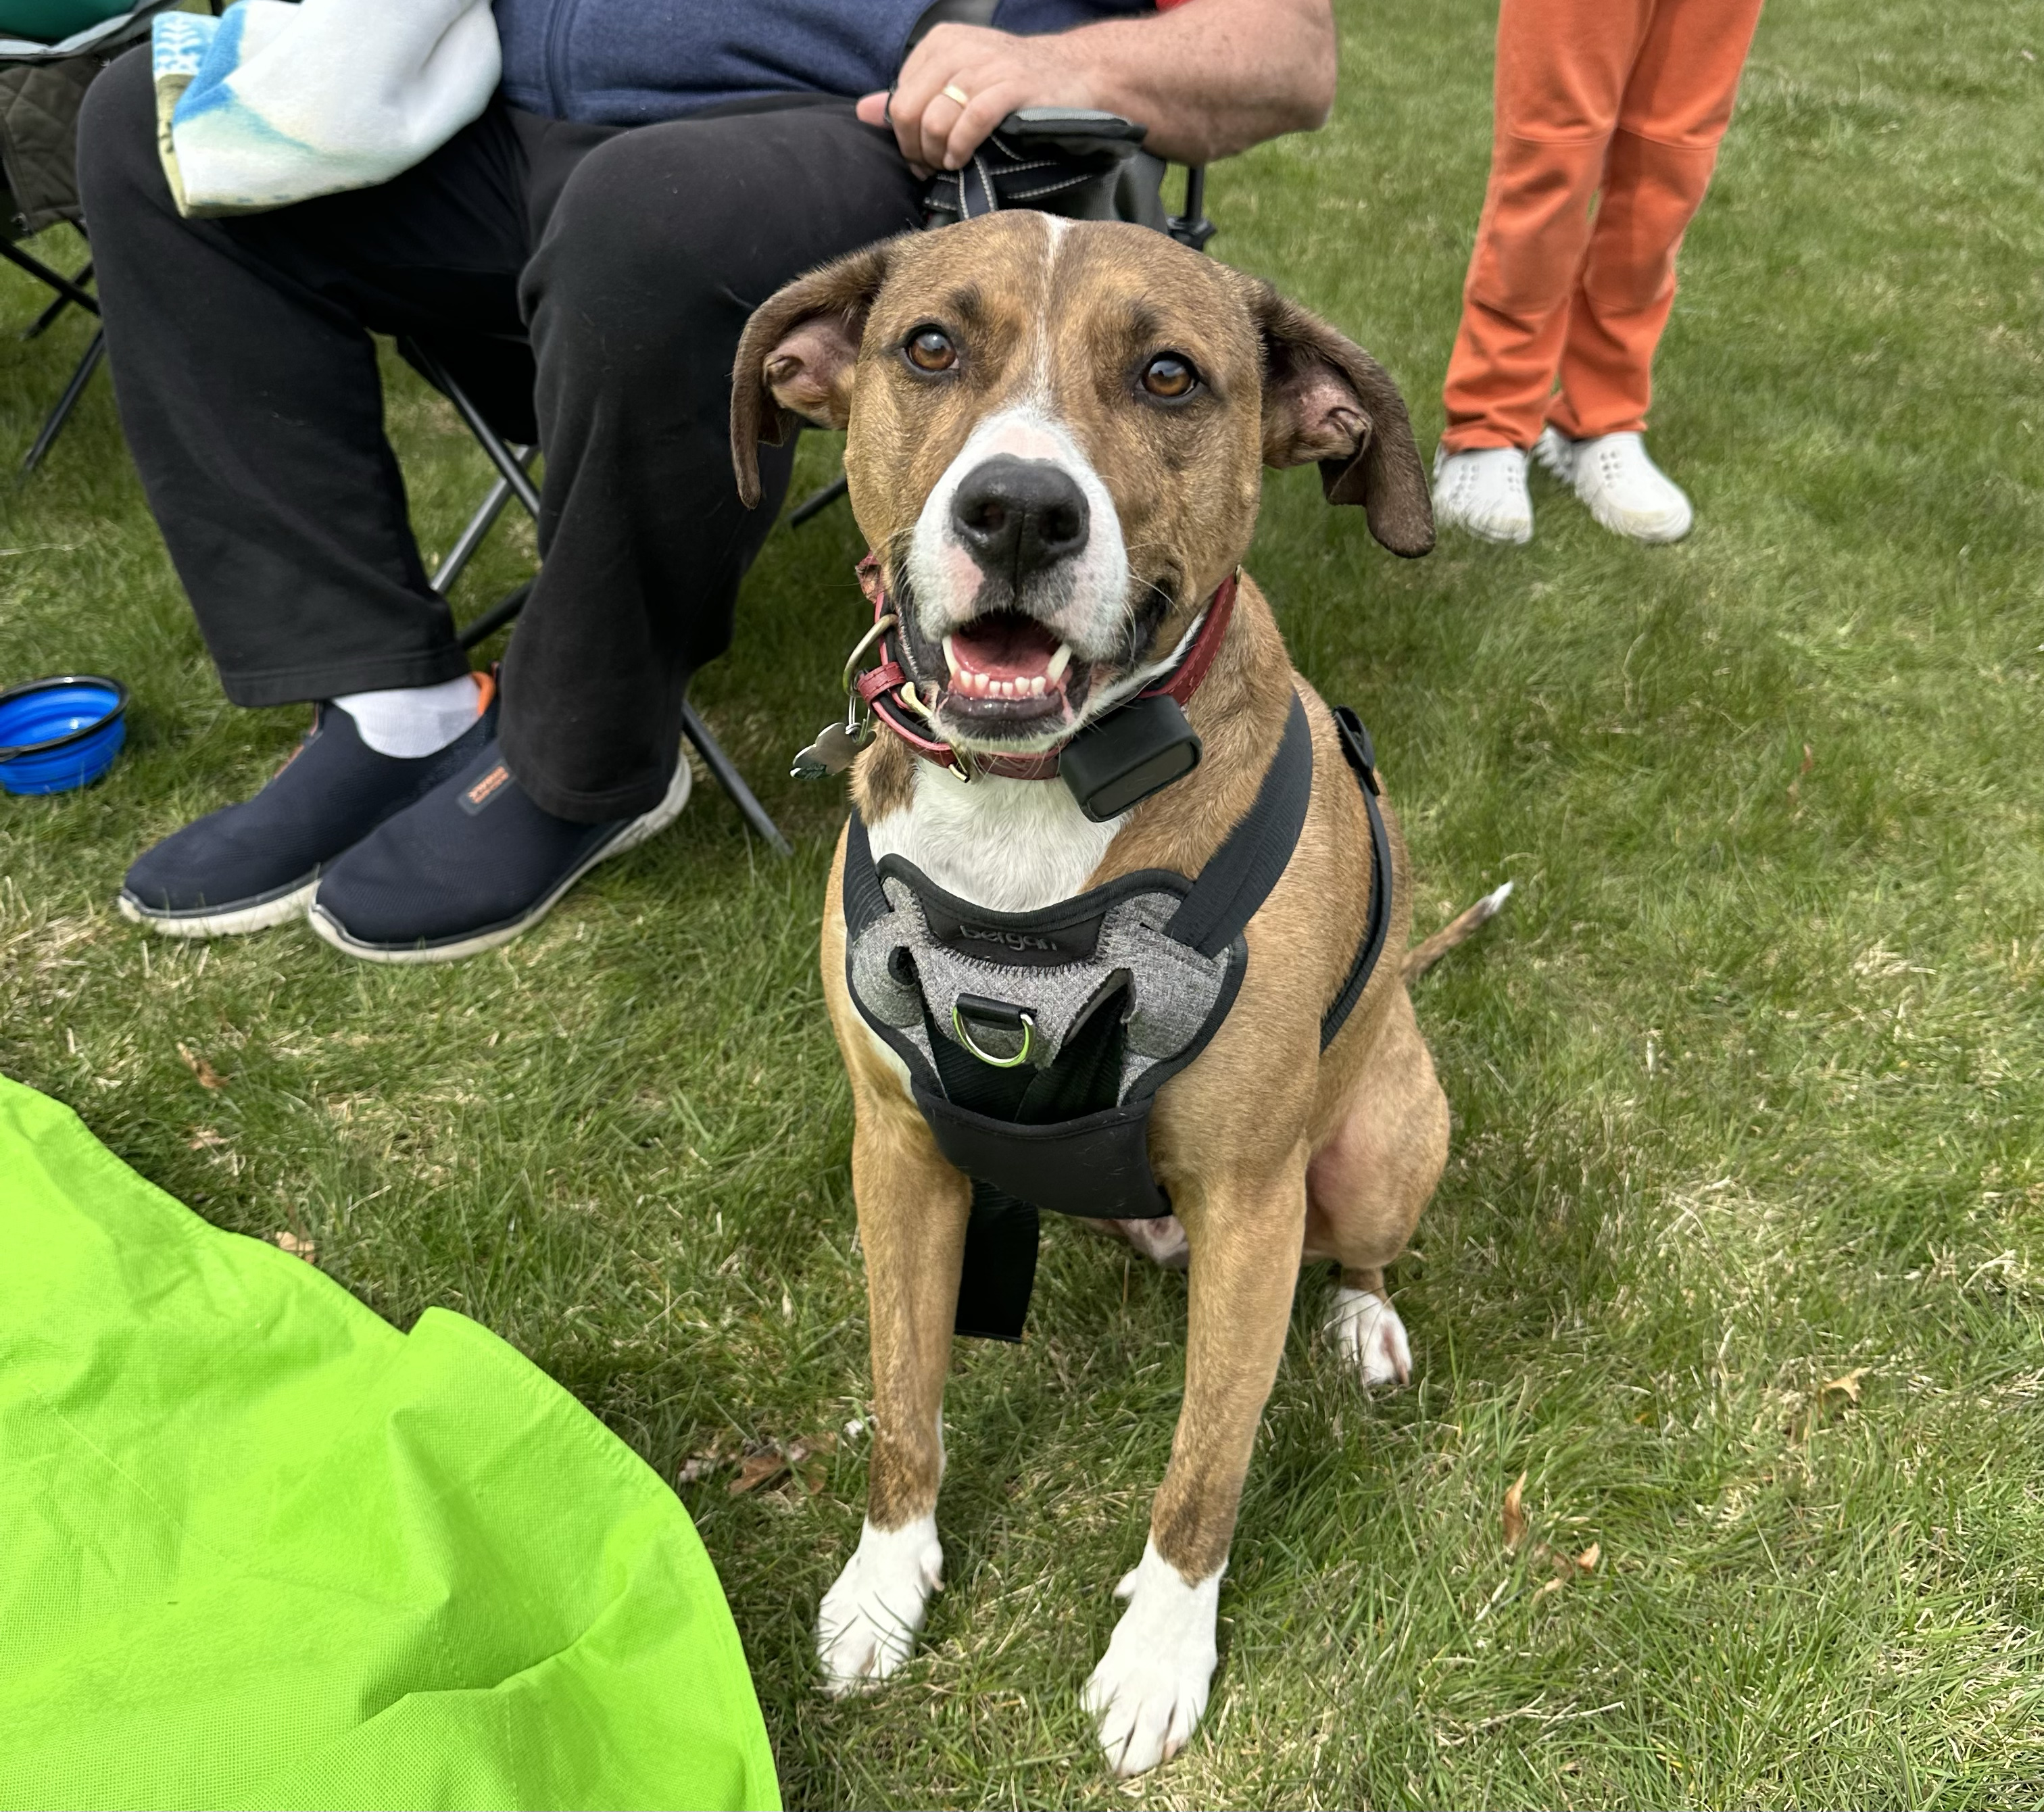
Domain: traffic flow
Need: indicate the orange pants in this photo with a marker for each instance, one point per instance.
(1624, 101)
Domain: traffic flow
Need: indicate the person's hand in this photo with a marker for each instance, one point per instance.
(995, 72)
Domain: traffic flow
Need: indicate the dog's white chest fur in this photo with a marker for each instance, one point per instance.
(1010, 846)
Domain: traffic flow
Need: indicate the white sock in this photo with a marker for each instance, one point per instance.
(414, 720)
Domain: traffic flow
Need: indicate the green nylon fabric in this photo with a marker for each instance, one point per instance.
(258, 1548)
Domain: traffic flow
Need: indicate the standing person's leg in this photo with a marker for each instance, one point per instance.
(660, 244)
(1561, 71)
(1677, 106)
(249, 391)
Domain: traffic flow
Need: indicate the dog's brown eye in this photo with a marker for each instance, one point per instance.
(1169, 376)
(930, 349)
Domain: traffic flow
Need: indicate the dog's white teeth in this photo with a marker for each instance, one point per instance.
(951, 657)
(1061, 660)
(1036, 687)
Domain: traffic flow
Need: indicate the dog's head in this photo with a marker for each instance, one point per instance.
(1057, 431)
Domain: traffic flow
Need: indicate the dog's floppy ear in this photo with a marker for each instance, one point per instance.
(1327, 400)
(796, 356)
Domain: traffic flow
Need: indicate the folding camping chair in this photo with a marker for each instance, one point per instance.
(42, 87)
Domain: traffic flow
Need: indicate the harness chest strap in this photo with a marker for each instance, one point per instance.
(1073, 1135)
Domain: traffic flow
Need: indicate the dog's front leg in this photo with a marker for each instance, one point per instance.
(912, 1208)
(1151, 1687)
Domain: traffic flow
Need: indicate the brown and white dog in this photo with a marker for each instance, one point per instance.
(1140, 389)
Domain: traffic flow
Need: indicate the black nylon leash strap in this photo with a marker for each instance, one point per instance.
(1362, 756)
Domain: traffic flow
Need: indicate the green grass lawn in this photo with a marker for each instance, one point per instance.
(1746, 1080)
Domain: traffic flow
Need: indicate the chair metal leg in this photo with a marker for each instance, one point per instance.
(496, 616)
(42, 321)
(66, 403)
(732, 781)
(508, 465)
(479, 525)
(817, 502)
(56, 279)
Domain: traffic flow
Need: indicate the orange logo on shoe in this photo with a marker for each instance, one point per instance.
(475, 797)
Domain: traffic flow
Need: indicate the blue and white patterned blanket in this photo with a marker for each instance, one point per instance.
(273, 103)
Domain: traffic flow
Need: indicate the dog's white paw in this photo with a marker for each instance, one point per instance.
(1150, 1689)
(868, 1623)
(1371, 1337)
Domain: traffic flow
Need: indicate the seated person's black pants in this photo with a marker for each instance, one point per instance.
(248, 388)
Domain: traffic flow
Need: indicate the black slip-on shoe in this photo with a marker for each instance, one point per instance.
(255, 864)
(467, 868)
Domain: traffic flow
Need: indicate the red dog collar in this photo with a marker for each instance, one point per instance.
(891, 694)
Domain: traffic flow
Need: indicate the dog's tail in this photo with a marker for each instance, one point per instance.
(1422, 957)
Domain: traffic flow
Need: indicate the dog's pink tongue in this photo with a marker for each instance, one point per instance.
(1006, 646)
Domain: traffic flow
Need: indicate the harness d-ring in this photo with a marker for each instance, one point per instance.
(1021, 1057)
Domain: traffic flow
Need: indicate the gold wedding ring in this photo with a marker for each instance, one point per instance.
(952, 92)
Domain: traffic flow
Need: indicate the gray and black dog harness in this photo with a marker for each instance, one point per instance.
(1036, 1042)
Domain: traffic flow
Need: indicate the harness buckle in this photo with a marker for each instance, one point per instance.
(994, 1013)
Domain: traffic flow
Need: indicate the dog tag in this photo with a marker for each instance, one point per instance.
(831, 753)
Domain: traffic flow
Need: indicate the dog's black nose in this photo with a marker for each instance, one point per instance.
(1019, 516)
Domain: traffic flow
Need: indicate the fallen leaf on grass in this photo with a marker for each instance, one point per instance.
(297, 1247)
(800, 1459)
(1847, 1386)
(1515, 1515)
(1829, 1396)
(1588, 1559)
(1552, 1585)
(759, 1469)
(208, 1076)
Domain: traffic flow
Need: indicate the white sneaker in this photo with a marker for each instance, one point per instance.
(1625, 491)
(1483, 492)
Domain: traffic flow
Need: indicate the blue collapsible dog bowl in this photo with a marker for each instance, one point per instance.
(57, 734)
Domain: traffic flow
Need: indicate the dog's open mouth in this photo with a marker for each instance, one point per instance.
(1008, 670)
